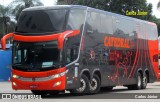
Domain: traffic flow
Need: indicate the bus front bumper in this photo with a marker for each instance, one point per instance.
(48, 80)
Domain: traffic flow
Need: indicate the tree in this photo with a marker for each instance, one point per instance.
(19, 5)
(116, 6)
(5, 14)
(157, 21)
(68, 2)
(158, 5)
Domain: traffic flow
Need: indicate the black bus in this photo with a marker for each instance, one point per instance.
(81, 49)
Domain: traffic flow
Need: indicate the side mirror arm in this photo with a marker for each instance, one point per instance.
(3, 40)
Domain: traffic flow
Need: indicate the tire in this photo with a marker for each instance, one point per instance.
(94, 85)
(138, 84)
(45, 92)
(84, 87)
(145, 81)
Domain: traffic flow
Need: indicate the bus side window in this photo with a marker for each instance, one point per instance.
(72, 54)
(106, 24)
(76, 19)
(93, 22)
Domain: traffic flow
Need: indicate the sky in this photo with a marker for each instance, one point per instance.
(154, 9)
(52, 2)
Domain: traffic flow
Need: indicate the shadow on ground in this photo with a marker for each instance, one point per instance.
(101, 95)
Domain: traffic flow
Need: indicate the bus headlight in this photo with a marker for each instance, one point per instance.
(55, 76)
(62, 74)
(14, 84)
(15, 76)
(59, 75)
(57, 83)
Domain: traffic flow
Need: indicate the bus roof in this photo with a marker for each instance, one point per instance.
(53, 7)
(85, 7)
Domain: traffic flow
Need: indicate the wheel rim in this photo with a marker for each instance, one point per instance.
(139, 81)
(82, 86)
(145, 81)
(93, 84)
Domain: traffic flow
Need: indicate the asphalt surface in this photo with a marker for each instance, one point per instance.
(118, 94)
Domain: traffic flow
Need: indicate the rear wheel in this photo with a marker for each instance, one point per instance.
(138, 84)
(84, 86)
(94, 85)
(145, 80)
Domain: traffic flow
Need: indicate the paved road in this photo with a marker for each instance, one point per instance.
(118, 93)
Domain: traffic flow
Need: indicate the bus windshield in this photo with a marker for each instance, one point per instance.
(36, 56)
(41, 21)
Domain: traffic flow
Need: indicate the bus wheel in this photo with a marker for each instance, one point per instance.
(94, 85)
(144, 83)
(84, 86)
(138, 84)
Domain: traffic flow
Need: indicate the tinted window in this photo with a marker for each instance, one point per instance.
(41, 21)
(143, 31)
(106, 24)
(93, 20)
(76, 19)
(129, 27)
(36, 55)
(72, 44)
(121, 26)
(154, 33)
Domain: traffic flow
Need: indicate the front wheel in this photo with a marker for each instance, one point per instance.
(94, 85)
(84, 86)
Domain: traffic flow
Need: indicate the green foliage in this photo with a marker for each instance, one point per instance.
(5, 20)
(19, 5)
(14, 9)
(116, 6)
(158, 5)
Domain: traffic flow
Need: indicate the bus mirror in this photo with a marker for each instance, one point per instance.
(64, 35)
(4, 39)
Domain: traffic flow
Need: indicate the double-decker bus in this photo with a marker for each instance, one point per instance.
(81, 49)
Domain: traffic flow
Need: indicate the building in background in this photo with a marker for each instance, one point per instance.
(5, 63)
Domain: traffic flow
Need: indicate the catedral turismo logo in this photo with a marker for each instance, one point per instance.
(117, 42)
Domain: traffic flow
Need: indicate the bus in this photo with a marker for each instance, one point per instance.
(81, 49)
